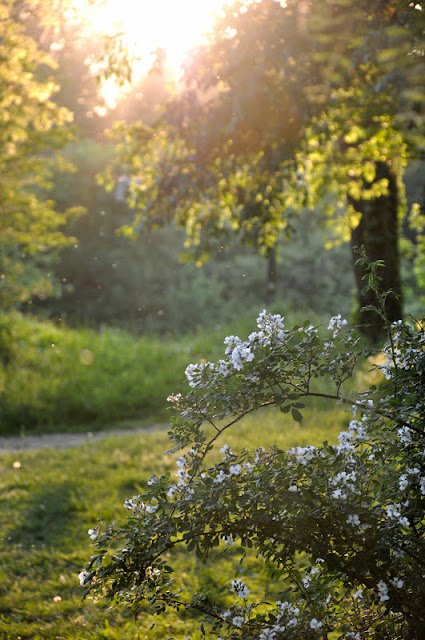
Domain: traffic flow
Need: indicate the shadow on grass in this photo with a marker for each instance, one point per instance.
(48, 519)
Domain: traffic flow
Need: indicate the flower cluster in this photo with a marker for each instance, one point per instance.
(335, 324)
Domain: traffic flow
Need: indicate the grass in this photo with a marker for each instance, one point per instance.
(56, 378)
(49, 499)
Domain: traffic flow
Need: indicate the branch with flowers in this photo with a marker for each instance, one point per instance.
(341, 525)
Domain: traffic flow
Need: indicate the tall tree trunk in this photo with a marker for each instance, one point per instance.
(271, 282)
(378, 234)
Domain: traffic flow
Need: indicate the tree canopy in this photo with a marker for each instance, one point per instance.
(33, 129)
(288, 104)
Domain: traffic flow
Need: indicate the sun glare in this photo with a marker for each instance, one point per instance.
(175, 26)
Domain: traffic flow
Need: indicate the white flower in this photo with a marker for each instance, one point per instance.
(358, 595)
(338, 494)
(304, 454)
(174, 398)
(397, 582)
(235, 469)
(288, 608)
(310, 330)
(228, 540)
(354, 520)
(403, 482)
(241, 354)
(151, 508)
(173, 489)
(293, 488)
(383, 591)
(315, 623)
(267, 634)
(153, 572)
(345, 439)
(226, 451)
(358, 430)
(231, 342)
(220, 477)
(93, 533)
(405, 435)
(237, 621)
(83, 578)
(194, 372)
(269, 321)
(131, 503)
(393, 513)
(152, 480)
(422, 485)
(335, 324)
(346, 479)
(223, 368)
(240, 588)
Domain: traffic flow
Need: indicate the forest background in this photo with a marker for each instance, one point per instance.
(245, 182)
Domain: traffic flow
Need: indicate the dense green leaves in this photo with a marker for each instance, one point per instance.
(287, 104)
(32, 126)
(340, 527)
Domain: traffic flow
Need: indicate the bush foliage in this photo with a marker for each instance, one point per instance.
(340, 527)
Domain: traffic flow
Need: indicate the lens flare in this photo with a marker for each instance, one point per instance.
(174, 26)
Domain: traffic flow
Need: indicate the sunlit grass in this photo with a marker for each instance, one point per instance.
(60, 379)
(51, 498)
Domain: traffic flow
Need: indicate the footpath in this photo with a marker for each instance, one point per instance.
(66, 440)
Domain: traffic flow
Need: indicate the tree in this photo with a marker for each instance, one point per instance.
(364, 62)
(304, 61)
(232, 182)
(32, 128)
(357, 148)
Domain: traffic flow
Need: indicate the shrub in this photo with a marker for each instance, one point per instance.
(340, 527)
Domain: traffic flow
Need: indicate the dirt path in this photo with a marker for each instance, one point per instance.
(66, 440)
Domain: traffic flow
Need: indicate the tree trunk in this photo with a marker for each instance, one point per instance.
(271, 282)
(378, 234)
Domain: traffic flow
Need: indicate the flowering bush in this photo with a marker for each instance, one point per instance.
(340, 525)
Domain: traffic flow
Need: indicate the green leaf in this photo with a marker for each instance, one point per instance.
(297, 416)
(285, 408)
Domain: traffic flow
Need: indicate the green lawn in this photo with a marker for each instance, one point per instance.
(51, 498)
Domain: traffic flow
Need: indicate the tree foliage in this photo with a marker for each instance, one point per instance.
(32, 128)
(287, 102)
